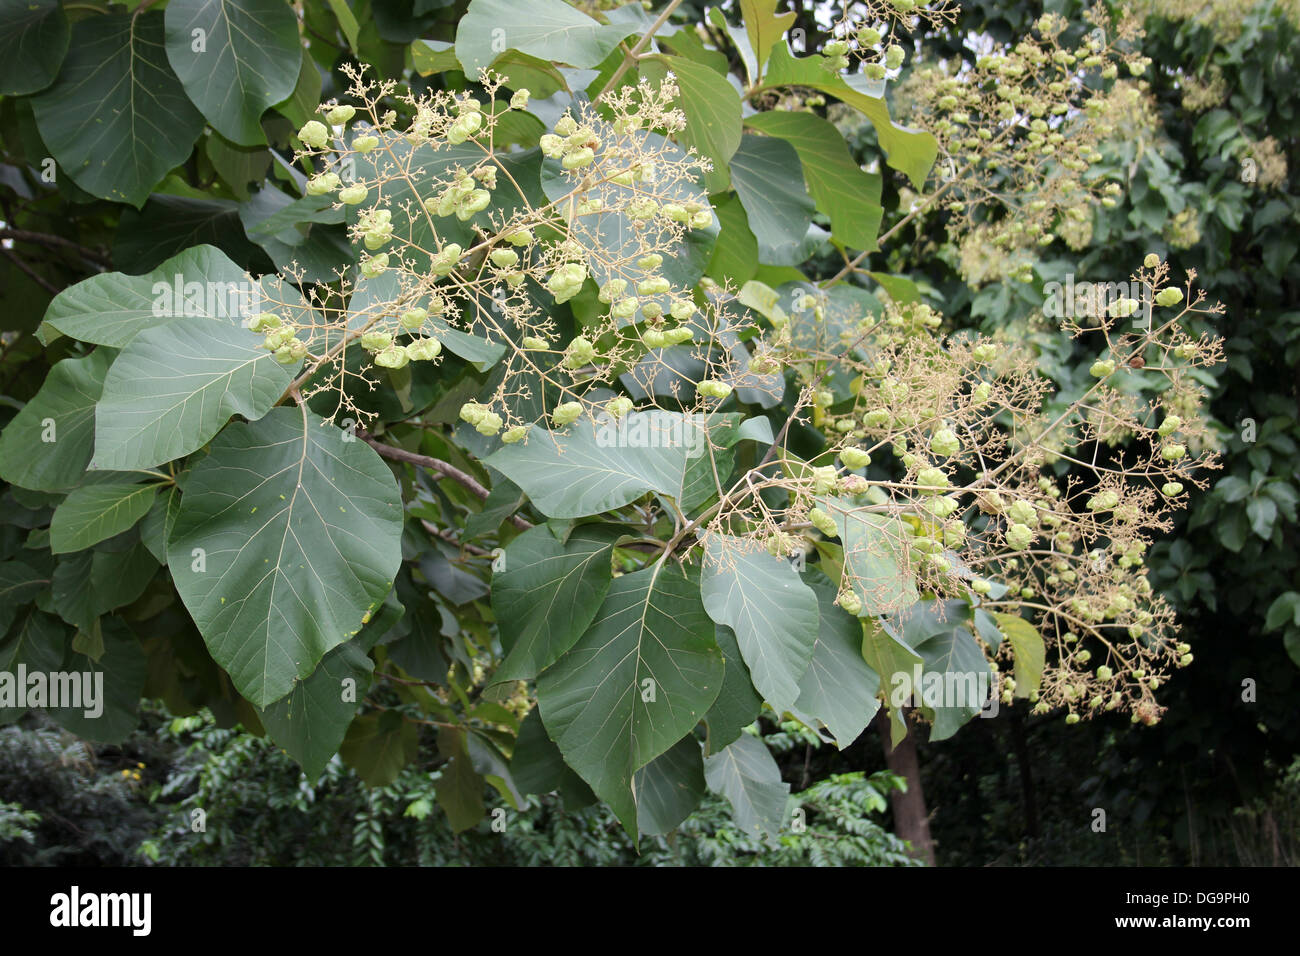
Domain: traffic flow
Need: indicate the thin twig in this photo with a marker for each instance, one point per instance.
(641, 44)
(446, 469)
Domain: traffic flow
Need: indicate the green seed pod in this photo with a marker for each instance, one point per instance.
(931, 481)
(374, 341)
(314, 134)
(1151, 261)
(566, 413)
(1101, 368)
(823, 522)
(352, 195)
(854, 458)
(944, 443)
(423, 350)
(619, 406)
(340, 114)
(412, 319)
(364, 144)
(516, 434)
(392, 357)
(1019, 536)
(489, 424)
(849, 601)
(1169, 296)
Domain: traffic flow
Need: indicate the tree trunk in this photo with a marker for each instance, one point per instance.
(911, 821)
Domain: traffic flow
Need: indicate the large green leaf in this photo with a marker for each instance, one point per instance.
(95, 512)
(642, 676)
(1027, 650)
(712, 108)
(956, 665)
(738, 704)
(548, 29)
(32, 45)
(669, 787)
(298, 530)
(749, 778)
(378, 746)
(459, 787)
(547, 593)
(537, 766)
(174, 387)
(117, 675)
(38, 643)
(594, 466)
(311, 721)
(838, 689)
(49, 443)
(849, 196)
(773, 613)
(910, 151)
(110, 308)
(247, 59)
(765, 27)
(19, 583)
(769, 183)
(117, 118)
(875, 556)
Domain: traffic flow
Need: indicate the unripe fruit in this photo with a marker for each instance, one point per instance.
(264, 322)
(375, 265)
(1173, 451)
(566, 413)
(1072, 718)
(364, 144)
(1169, 296)
(314, 134)
(1101, 368)
(980, 586)
(412, 319)
(823, 522)
(653, 338)
(322, 184)
(520, 237)
(1151, 261)
(944, 443)
(552, 146)
(712, 389)
(702, 219)
(423, 350)
(532, 343)
(1171, 489)
(854, 458)
(374, 341)
(520, 100)
(678, 336)
(1104, 673)
(578, 159)
(392, 357)
(488, 424)
(340, 114)
(984, 352)
(1019, 536)
(504, 258)
(516, 434)
(579, 352)
(931, 481)
(1104, 501)
(619, 406)
(352, 195)
(849, 601)
(1123, 308)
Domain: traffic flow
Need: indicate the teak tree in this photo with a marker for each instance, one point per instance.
(558, 398)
